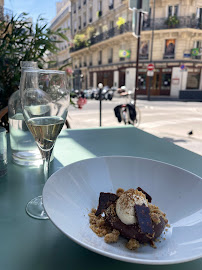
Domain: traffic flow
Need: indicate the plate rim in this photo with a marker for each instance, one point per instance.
(109, 254)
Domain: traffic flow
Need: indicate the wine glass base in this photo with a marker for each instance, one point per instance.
(35, 208)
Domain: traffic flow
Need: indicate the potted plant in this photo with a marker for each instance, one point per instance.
(23, 41)
(172, 21)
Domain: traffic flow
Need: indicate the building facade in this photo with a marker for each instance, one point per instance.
(62, 20)
(105, 48)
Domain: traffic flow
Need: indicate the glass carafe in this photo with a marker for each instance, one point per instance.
(23, 147)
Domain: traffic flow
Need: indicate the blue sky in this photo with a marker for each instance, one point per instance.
(34, 7)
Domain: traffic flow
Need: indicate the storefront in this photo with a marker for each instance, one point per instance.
(105, 77)
(193, 78)
(160, 83)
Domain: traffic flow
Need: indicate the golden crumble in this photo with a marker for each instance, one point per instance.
(133, 244)
(112, 237)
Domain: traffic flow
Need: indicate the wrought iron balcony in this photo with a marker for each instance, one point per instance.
(160, 23)
(169, 56)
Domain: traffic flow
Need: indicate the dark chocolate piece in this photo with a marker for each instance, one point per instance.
(143, 218)
(148, 197)
(132, 231)
(105, 200)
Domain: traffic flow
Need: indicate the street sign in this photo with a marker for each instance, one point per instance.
(182, 67)
(150, 73)
(150, 67)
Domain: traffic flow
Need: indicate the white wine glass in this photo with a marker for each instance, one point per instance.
(45, 100)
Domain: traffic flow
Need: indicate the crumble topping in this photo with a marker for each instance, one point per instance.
(133, 244)
(112, 237)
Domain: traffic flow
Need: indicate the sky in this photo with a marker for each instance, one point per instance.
(47, 8)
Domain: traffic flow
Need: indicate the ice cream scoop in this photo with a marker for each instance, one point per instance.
(125, 209)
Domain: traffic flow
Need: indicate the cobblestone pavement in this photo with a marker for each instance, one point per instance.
(175, 121)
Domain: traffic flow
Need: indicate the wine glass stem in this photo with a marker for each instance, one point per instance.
(46, 163)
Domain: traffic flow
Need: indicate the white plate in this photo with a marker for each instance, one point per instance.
(71, 192)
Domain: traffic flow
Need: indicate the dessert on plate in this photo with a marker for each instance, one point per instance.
(129, 214)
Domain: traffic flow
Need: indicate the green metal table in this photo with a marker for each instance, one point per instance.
(29, 244)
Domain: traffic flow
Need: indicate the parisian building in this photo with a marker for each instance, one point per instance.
(104, 46)
(62, 20)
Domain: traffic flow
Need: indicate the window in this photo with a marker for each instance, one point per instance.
(79, 4)
(110, 55)
(166, 81)
(100, 29)
(79, 22)
(90, 14)
(85, 61)
(111, 24)
(74, 7)
(75, 26)
(144, 49)
(99, 5)
(111, 4)
(173, 10)
(100, 58)
(68, 23)
(193, 80)
(199, 18)
(197, 45)
(169, 49)
(90, 60)
(84, 19)
(80, 65)
(146, 19)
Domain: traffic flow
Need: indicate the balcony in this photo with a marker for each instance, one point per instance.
(144, 56)
(168, 56)
(184, 22)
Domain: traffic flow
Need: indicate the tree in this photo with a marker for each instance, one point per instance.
(20, 40)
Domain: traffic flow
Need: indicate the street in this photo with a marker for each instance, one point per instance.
(175, 121)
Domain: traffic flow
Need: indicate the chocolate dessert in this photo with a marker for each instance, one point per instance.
(129, 214)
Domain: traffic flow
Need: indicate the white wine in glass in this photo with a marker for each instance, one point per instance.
(45, 99)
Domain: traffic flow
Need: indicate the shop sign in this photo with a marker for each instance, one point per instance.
(124, 53)
(187, 55)
(166, 70)
(150, 73)
(175, 81)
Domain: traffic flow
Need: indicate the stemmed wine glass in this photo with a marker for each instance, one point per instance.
(45, 100)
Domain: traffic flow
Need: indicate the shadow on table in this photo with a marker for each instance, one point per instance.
(174, 140)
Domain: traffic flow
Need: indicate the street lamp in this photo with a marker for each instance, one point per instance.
(81, 80)
(100, 86)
